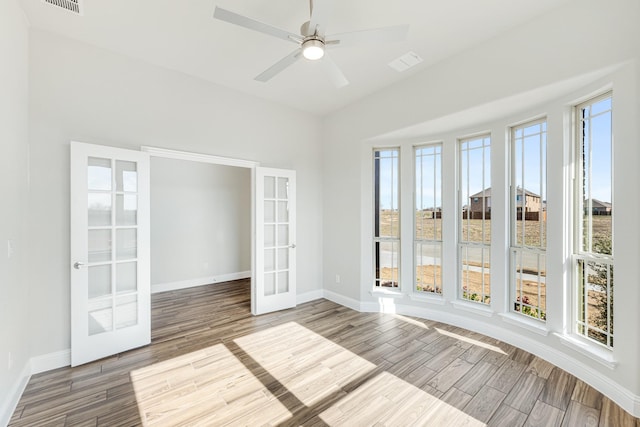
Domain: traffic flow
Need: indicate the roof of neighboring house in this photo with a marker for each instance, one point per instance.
(527, 192)
(487, 193)
(484, 193)
(599, 204)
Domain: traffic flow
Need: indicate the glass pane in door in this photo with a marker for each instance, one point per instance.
(283, 211)
(126, 209)
(126, 311)
(126, 243)
(283, 188)
(126, 277)
(100, 316)
(99, 209)
(99, 245)
(99, 174)
(269, 187)
(283, 235)
(126, 176)
(99, 281)
(269, 284)
(283, 282)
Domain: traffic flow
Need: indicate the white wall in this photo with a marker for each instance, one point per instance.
(80, 92)
(200, 222)
(14, 297)
(538, 68)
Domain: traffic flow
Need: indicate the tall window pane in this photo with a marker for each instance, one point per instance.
(474, 161)
(528, 219)
(593, 257)
(386, 222)
(428, 219)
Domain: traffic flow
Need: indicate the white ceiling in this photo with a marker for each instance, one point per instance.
(183, 36)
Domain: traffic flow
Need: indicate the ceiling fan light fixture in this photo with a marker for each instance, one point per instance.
(313, 49)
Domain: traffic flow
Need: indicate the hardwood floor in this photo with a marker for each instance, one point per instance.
(211, 363)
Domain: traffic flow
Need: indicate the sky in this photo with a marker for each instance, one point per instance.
(428, 167)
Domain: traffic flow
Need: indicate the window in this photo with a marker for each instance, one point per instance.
(386, 236)
(593, 245)
(428, 219)
(529, 219)
(474, 230)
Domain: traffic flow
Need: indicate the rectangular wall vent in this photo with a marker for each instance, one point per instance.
(74, 6)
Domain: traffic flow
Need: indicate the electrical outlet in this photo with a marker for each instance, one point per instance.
(10, 248)
(337, 278)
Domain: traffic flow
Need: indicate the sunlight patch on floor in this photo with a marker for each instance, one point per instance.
(414, 322)
(389, 401)
(310, 366)
(206, 387)
(471, 341)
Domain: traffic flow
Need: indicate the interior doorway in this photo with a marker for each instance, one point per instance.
(200, 223)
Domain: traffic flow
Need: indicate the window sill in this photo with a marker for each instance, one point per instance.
(592, 351)
(471, 307)
(430, 299)
(533, 325)
(385, 293)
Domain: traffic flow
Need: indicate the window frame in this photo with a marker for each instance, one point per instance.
(415, 240)
(516, 198)
(460, 243)
(376, 283)
(578, 254)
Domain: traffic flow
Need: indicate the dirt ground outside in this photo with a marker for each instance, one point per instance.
(429, 277)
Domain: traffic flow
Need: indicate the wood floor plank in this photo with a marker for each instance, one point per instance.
(587, 396)
(613, 415)
(212, 363)
(558, 389)
(540, 367)
(507, 375)
(476, 378)
(525, 392)
(507, 416)
(485, 403)
(581, 415)
(446, 378)
(456, 398)
(544, 415)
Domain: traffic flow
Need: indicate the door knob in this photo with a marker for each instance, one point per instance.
(78, 265)
(292, 246)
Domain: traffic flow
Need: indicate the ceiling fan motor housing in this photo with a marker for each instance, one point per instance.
(313, 47)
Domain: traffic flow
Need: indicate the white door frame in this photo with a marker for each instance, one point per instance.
(221, 161)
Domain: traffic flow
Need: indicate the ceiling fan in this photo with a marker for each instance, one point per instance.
(312, 40)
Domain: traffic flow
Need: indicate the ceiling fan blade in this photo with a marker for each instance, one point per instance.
(252, 24)
(279, 66)
(379, 35)
(319, 16)
(334, 72)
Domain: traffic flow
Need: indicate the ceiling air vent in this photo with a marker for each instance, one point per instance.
(70, 5)
(406, 61)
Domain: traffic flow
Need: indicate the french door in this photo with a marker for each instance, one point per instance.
(110, 279)
(274, 281)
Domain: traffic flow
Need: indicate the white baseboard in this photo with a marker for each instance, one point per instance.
(48, 362)
(342, 300)
(309, 296)
(35, 365)
(191, 283)
(9, 406)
